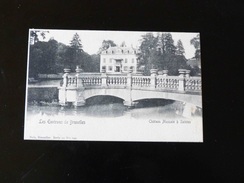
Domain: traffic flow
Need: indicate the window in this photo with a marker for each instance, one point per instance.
(112, 52)
(110, 68)
(125, 68)
(126, 60)
(110, 60)
(104, 60)
(132, 60)
(132, 68)
(104, 68)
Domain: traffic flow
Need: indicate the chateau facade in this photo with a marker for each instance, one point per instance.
(118, 59)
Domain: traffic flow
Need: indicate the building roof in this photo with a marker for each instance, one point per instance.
(119, 50)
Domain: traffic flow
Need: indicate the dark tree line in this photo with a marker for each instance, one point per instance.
(52, 57)
(160, 52)
(155, 52)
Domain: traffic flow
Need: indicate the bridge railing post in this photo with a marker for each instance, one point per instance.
(62, 94)
(104, 78)
(182, 80)
(65, 77)
(129, 79)
(153, 78)
(78, 77)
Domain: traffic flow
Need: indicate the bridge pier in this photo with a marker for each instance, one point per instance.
(62, 97)
(73, 94)
(129, 104)
(188, 110)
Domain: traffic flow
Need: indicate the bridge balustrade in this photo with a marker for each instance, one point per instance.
(181, 83)
(193, 84)
(91, 81)
(72, 81)
(116, 81)
(141, 81)
(168, 83)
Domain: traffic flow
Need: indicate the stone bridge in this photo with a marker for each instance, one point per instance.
(79, 86)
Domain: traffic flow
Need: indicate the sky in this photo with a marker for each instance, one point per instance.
(92, 40)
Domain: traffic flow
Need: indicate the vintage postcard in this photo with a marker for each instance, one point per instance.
(85, 85)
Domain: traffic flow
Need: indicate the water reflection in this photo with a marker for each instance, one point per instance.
(169, 110)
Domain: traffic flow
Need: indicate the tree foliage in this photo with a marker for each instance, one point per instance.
(169, 47)
(196, 43)
(159, 52)
(52, 57)
(180, 48)
(35, 34)
(105, 45)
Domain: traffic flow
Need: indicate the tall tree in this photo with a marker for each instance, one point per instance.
(196, 43)
(180, 48)
(159, 52)
(146, 52)
(75, 43)
(74, 53)
(169, 46)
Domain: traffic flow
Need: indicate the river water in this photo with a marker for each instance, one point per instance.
(111, 110)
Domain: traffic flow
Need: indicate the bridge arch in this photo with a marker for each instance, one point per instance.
(119, 93)
(182, 97)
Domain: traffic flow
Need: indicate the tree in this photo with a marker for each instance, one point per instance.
(147, 51)
(105, 45)
(34, 35)
(42, 58)
(169, 46)
(159, 52)
(74, 53)
(93, 64)
(62, 59)
(75, 43)
(179, 48)
(196, 43)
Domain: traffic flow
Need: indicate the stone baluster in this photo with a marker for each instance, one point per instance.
(153, 78)
(182, 80)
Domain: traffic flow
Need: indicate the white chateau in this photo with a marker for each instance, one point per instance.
(119, 59)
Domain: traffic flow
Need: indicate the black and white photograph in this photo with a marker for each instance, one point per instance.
(121, 91)
(88, 85)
